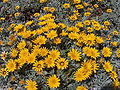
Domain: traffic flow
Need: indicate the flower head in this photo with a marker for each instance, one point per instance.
(53, 81)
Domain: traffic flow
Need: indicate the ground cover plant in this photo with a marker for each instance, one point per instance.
(59, 45)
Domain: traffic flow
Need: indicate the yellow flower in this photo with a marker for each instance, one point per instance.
(31, 58)
(16, 14)
(106, 23)
(18, 27)
(116, 83)
(22, 60)
(95, 66)
(107, 66)
(21, 45)
(4, 55)
(87, 14)
(79, 24)
(89, 40)
(24, 53)
(87, 22)
(40, 40)
(52, 34)
(17, 7)
(95, 5)
(62, 63)
(29, 23)
(109, 10)
(38, 65)
(61, 25)
(81, 74)
(99, 40)
(118, 52)
(85, 4)
(66, 5)
(114, 43)
(2, 18)
(31, 85)
(89, 29)
(54, 54)
(43, 1)
(97, 27)
(46, 8)
(3, 72)
(100, 0)
(73, 35)
(36, 14)
(53, 81)
(74, 54)
(76, 1)
(73, 17)
(106, 52)
(12, 25)
(92, 52)
(1, 29)
(81, 88)
(113, 75)
(73, 28)
(63, 33)
(115, 33)
(5, 1)
(57, 41)
(52, 9)
(42, 23)
(43, 51)
(79, 6)
(11, 65)
(52, 25)
(50, 62)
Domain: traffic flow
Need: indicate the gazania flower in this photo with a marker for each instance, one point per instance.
(82, 74)
(74, 55)
(94, 53)
(62, 63)
(57, 41)
(36, 14)
(113, 75)
(73, 17)
(31, 85)
(66, 5)
(118, 53)
(53, 81)
(11, 65)
(21, 45)
(109, 10)
(54, 54)
(37, 66)
(107, 66)
(31, 58)
(50, 62)
(4, 72)
(40, 40)
(106, 52)
(3, 55)
(13, 53)
(73, 35)
(24, 53)
(43, 51)
(81, 88)
(87, 22)
(52, 34)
